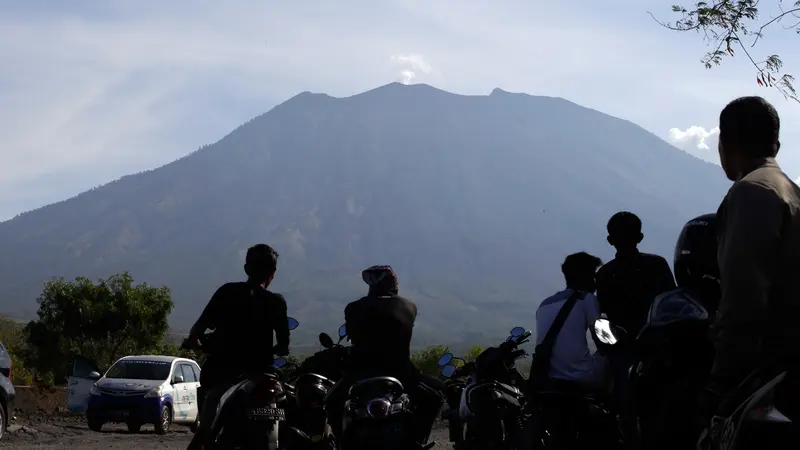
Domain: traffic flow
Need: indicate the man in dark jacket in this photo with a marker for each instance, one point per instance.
(627, 285)
(758, 254)
(380, 327)
(243, 316)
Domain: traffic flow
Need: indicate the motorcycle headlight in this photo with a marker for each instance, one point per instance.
(95, 390)
(155, 392)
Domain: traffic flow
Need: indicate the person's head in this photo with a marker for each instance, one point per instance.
(261, 263)
(748, 131)
(695, 263)
(381, 280)
(579, 271)
(624, 230)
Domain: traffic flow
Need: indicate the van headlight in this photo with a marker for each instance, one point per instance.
(95, 390)
(155, 392)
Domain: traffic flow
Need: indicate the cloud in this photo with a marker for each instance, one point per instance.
(412, 67)
(697, 141)
(102, 89)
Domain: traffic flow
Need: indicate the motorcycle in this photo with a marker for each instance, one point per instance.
(250, 413)
(748, 418)
(456, 380)
(672, 357)
(307, 387)
(492, 400)
(378, 414)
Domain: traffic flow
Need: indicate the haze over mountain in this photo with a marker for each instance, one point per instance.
(474, 200)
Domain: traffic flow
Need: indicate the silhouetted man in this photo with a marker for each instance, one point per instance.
(243, 316)
(570, 358)
(627, 285)
(758, 254)
(380, 327)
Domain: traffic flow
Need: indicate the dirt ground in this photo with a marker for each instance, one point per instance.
(74, 434)
(36, 400)
(42, 422)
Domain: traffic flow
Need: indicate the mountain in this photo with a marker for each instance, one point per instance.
(474, 200)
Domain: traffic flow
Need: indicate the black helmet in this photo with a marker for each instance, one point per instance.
(696, 254)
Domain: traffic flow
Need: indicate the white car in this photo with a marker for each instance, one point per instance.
(136, 390)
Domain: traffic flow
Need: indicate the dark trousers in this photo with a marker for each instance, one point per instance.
(424, 392)
(216, 377)
(621, 361)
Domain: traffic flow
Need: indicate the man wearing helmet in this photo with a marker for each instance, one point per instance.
(380, 326)
(759, 250)
(697, 296)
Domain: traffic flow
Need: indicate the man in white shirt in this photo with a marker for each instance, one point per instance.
(571, 358)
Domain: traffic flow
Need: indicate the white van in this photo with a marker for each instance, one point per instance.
(136, 390)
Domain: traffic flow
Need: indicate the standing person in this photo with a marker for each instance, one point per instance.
(627, 285)
(243, 316)
(759, 256)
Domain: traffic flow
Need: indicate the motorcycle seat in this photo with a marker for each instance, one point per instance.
(376, 386)
(565, 388)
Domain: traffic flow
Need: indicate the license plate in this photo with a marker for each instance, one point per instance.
(266, 414)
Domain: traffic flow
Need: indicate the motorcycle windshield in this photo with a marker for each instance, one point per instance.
(675, 306)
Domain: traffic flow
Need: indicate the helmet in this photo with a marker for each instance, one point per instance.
(695, 262)
(381, 280)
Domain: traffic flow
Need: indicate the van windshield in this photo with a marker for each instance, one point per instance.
(138, 369)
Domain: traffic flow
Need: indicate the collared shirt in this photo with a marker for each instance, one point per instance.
(572, 360)
(759, 261)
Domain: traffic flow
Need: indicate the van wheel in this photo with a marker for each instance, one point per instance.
(3, 420)
(162, 426)
(92, 421)
(194, 426)
(134, 427)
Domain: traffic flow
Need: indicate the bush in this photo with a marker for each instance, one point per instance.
(427, 360)
(101, 321)
(13, 337)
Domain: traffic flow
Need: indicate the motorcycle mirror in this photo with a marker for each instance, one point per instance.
(604, 332)
(325, 340)
(280, 362)
(448, 370)
(343, 331)
(293, 323)
(445, 359)
(517, 331)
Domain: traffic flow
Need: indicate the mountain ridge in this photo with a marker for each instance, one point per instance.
(473, 199)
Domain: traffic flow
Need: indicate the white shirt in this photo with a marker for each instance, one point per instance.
(572, 360)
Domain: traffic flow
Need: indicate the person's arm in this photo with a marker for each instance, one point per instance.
(748, 254)
(591, 306)
(350, 322)
(603, 291)
(662, 276)
(281, 326)
(208, 319)
(591, 309)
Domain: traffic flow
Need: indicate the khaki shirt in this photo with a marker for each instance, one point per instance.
(758, 320)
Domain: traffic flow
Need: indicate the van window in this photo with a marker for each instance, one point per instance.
(196, 371)
(139, 369)
(188, 374)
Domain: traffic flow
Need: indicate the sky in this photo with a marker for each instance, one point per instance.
(94, 90)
